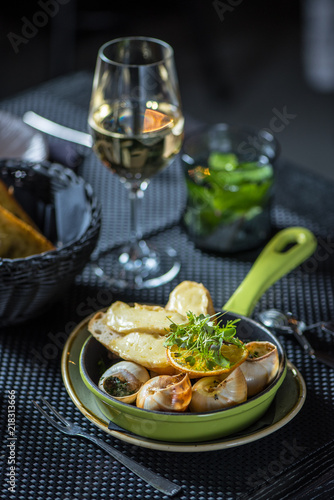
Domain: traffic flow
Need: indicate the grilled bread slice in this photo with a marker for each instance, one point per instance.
(190, 296)
(125, 318)
(136, 333)
(18, 239)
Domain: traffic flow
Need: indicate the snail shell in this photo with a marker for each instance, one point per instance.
(165, 393)
(221, 391)
(126, 377)
(261, 366)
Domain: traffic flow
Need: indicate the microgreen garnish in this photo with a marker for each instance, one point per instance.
(199, 342)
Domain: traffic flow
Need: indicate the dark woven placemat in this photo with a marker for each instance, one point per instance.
(49, 465)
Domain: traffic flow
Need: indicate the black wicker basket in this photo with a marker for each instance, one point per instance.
(65, 209)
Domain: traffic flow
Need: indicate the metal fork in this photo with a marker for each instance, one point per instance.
(167, 487)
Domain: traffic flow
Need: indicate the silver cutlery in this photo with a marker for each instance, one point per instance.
(288, 323)
(56, 130)
(326, 326)
(158, 482)
(273, 318)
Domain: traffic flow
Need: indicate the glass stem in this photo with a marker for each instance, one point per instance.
(135, 195)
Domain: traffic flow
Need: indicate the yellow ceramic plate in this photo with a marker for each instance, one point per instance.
(288, 402)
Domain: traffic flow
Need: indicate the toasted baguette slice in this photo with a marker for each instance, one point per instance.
(8, 202)
(190, 296)
(123, 318)
(143, 347)
(18, 239)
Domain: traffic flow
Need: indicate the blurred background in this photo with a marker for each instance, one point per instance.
(260, 63)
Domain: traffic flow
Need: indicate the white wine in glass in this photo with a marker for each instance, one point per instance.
(136, 122)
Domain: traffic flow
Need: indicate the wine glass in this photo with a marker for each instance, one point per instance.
(136, 123)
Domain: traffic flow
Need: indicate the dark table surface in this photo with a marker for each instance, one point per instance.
(294, 462)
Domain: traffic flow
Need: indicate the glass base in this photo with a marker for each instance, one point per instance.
(136, 267)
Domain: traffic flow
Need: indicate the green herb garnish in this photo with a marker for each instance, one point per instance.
(200, 342)
(117, 387)
(254, 354)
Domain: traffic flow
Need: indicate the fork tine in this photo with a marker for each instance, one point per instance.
(54, 411)
(51, 420)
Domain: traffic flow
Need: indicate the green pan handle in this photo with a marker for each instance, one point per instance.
(285, 251)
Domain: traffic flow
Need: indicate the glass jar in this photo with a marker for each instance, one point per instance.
(229, 173)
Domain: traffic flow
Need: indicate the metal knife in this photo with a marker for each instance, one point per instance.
(56, 130)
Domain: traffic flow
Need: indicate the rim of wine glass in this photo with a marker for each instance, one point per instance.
(104, 58)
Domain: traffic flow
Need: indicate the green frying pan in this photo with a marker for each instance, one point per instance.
(289, 248)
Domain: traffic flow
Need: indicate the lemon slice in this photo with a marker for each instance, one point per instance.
(196, 366)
